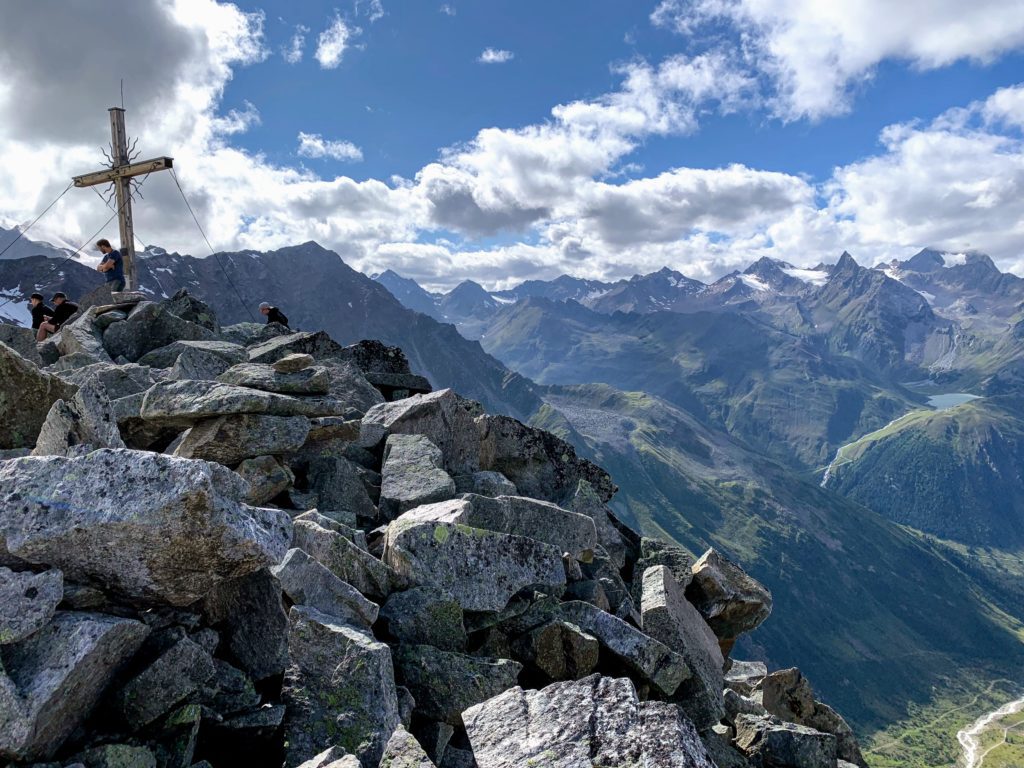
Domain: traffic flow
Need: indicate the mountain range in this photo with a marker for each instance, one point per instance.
(717, 408)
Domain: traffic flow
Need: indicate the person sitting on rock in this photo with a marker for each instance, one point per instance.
(273, 314)
(40, 311)
(63, 309)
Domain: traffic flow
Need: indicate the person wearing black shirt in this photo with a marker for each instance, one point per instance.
(63, 309)
(39, 310)
(273, 314)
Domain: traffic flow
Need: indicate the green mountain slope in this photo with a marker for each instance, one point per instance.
(956, 474)
(882, 614)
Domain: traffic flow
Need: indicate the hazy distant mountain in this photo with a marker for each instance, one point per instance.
(24, 247)
(409, 292)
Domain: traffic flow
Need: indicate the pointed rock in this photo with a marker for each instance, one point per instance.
(403, 751)
(307, 582)
(347, 561)
(729, 600)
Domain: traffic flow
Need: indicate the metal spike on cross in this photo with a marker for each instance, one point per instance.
(121, 173)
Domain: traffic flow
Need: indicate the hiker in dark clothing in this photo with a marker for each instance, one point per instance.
(39, 310)
(112, 265)
(273, 314)
(63, 309)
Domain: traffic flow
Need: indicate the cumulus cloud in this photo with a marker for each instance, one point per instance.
(372, 9)
(332, 43)
(293, 51)
(816, 54)
(314, 145)
(495, 56)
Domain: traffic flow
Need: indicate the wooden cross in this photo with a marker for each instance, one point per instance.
(121, 174)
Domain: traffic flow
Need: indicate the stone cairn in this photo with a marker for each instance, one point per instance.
(227, 547)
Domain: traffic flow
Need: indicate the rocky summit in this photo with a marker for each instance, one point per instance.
(238, 546)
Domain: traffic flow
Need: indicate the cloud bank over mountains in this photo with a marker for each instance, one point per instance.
(561, 195)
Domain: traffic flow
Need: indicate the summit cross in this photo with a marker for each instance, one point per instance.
(121, 174)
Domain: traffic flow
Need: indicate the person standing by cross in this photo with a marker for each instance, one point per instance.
(112, 265)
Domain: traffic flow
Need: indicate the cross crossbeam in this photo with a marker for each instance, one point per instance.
(124, 172)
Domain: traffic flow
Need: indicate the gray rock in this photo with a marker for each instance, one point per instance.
(425, 616)
(433, 737)
(721, 751)
(149, 326)
(458, 758)
(334, 428)
(22, 341)
(165, 356)
(185, 402)
(347, 561)
(337, 484)
(333, 757)
(229, 439)
(597, 721)
(194, 310)
(667, 616)
(178, 672)
(589, 591)
(540, 520)
(250, 334)
(27, 602)
(346, 529)
(197, 364)
(442, 417)
(307, 381)
(25, 398)
(317, 344)
(675, 558)
(132, 535)
(117, 380)
(784, 744)
(491, 484)
(82, 336)
(339, 689)
(560, 650)
(56, 676)
(445, 684)
(249, 614)
(85, 422)
(403, 751)
(586, 501)
(482, 569)
(541, 465)
(788, 695)
(349, 385)
(735, 704)
(118, 756)
(412, 475)
(729, 600)
(307, 582)
(744, 676)
(293, 363)
(230, 691)
(266, 477)
(647, 657)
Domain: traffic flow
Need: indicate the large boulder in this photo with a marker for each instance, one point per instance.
(82, 336)
(587, 501)
(346, 560)
(562, 651)
(117, 380)
(165, 357)
(443, 417)
(308, 381)
(349, 384)
(668, 616)
(337, 484)
(481, 569)
(188, 307)
(651, 659)
(25, 398)
(27, 602)
(729, 600)
(84, 423)
(178, 672)
(445, 684)
(185, 402)
(316, 344)
(150, 326)
(55, 677)
(597, 721)
(197, 364)
(787, 695)
(339, 689)
(128, 520)
(412, 474)
(403, 751)
(541, 465)
(308, 582)
(22, 341)
(425, 616)
(229, 439)
(541, 520)
(775, 743)
(267, 478)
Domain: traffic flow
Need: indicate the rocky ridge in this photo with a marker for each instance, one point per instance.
(240, 546)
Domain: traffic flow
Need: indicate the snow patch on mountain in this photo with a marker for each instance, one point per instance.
(754, 282)
(812, 276)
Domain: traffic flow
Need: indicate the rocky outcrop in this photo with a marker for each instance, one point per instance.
(729, 600)
(26, 395)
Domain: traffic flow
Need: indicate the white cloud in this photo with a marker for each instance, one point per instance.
(316, 146)
(816, 54)
(495, 56)
(292, 53)
(372, 9)
(332, 42)
(447, 9)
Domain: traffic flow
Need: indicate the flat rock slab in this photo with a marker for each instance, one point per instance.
(308, 582)
(229, 439)
(317, 344)
(339, 689)
(481, 569)
(175, 674)
(541, 520)
(56, 677)
(347, 561)
(127, 521)
(185, 402)
(293, 362)
(165, 357)
(84, 423)
(445, 684)
(590, 723)
(412, 475)
(27, 602)
(306, 381)
(25, 398)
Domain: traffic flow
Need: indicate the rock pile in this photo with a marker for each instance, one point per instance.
(237, 546)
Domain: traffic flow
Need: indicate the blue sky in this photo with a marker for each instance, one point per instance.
(504, 141)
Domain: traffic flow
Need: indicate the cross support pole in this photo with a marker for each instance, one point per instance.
(121, 175)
